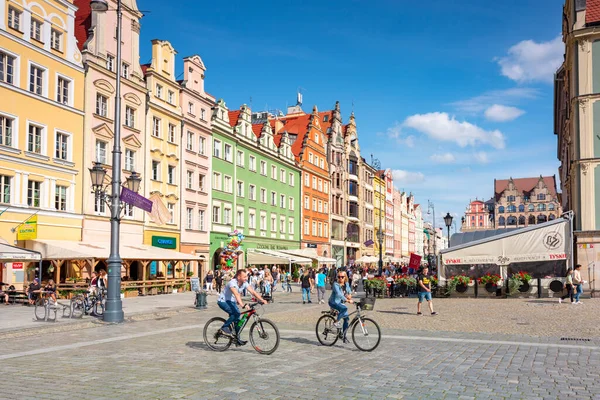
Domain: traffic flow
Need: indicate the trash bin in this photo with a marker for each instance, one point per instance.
(200, 302)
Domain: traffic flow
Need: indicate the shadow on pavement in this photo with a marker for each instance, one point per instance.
(203, 346)
(300, 340)
(396, 312)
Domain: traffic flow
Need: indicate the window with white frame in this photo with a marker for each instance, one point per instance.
(291, 203)
(155, 170)
(6, 131)
(291, 181)
(201, 220)
(171, 208)
(306, 203)
(314, 201)
(273, 198)
(128, 210)
(263, 222)
(158, 91)
(129, 116)
(216, 184)
(216, 214)
(306, 179)
(273, 223)
(290, 226)
(101, 105)
(273, 172)
(282, 200)
(5, 189)
(189, 216)
(320, 185)
(155, 127)
(227, 216)
(320, 229)
(7, 68)
(227, 152)
(172, 133)
(125, 70)
(217, 148)
(240, 189)
(203, 114)
(56, 39)
(252, 162)
(190, 141)
(252, 192)
(322, 163)
(310, 158)
(320, 206)
(191, 108)
(227, 187)
(239, 218)
(282, 225)
(129, 160)
(34, 189)
(62, 90)
(61, 150)
(314, 180)
(14, 18)
(36, 29)
(36, 79)
(99, 205)
(201, 180)
(34, 139)
(325, 187)
(263, 168)
(110, 62)
(101, 151)
(190, 180)
(263, 195)
(171, 174)
(282, 175)
(201, 145)
(325, 230)
(60, 198)
(316, 138)
(252, 220)
(325, 207)
(314, 228)
(171, 97)
(240, 158)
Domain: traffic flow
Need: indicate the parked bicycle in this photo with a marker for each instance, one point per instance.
(366, 334)
(264, 335)
(88, 303)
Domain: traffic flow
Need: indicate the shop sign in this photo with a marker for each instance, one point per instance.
(311, 245)
(271, 247)
(17, 265)
(164, 242)
(28, 230)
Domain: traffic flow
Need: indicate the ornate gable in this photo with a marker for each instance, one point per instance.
(104, 131)
(132, 141)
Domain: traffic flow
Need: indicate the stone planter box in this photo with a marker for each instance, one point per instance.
(131, 293)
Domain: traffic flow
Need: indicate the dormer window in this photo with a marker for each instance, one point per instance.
(325, 118)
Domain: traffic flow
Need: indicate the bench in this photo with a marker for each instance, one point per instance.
(16, 296)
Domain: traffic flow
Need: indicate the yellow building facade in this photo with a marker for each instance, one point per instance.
(379, 208)
(41, 125)
(163, 139)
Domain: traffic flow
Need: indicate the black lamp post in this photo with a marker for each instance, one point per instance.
(448, 222)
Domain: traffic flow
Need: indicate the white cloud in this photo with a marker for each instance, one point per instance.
(441, 126)
(402, 177)
(479, 103)
(446, 158)
(529, 61)
(395, 132)
(481, 157)
(500, 113)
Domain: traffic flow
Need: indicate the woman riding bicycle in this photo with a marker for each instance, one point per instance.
(341, 294)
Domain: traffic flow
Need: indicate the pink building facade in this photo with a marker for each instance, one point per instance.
(477, 217)
(410, 207)
(389, 213)
(397, 200)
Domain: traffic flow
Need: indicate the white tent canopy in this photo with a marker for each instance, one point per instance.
(366, 260)
(256, 257)
(311, 253)
(550, 241)
(289, 258)
(10, 253)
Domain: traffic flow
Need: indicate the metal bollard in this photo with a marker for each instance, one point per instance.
(201, 302)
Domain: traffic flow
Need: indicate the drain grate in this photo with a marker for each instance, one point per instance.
(576, 339)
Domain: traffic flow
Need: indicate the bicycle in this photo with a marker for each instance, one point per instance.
(45, 306)
(86, 303)
(262, 332)
(362, 328)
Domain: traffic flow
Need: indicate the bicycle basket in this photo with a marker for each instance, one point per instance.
(367, 303)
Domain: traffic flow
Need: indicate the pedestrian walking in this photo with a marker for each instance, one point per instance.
(568, 285)
(209, 281)
(288, 281)
(424, 290)
(321, 286)
(578, 282)
(219, 281)
(306, 284)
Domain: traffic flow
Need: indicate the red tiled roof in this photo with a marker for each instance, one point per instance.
(257, 129)
(592, 11)
(326, 125)
(83, 22)
(525, 185)
(145, 68)
(233, 117)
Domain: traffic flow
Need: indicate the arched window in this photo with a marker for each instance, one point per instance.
(552, 217)
(501, 221)
(541, 207)
(512, 208)
(541, 218)
(551, 207)
(531, 220)
(521, 208)
(521, 220)
(501, 210)
(511, 221)
(531, 208)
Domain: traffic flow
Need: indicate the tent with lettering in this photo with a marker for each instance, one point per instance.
(542, 250)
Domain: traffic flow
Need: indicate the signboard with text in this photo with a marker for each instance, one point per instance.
(17, 265)
(164, 242)
(28, 229)
(134, 199)
(415, 261)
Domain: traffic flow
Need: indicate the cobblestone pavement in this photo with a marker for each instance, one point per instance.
(160, 356)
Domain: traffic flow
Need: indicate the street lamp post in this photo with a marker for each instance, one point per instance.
(114, 306)
(430, 208)
(448, 222)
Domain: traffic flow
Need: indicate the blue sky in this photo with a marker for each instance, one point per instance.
(448, 94)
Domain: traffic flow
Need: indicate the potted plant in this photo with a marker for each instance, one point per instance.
(458, 283)
(519, 282)
(131, 292)
(376, 285)
(405, 281)
(189, 274)
(490, 281)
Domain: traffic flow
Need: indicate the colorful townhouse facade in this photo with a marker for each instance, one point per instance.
(368, 207)
(195, 170)
(255, 185)
(397, 200)
(379, 212)
(389, 213)
(41, 126)
(419, 230)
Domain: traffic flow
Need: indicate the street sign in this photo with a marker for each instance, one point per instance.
(415, 261)
(164, 242)
(311, 245)
(17, 265)
(131, 197)
(28, 230)
(195, 284)
(369, 243)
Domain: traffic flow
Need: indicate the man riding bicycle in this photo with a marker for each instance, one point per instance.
(341, 294)
(230, 298)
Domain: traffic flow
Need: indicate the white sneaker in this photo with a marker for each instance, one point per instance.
(338, 324)
(578, 302)
(559, 300)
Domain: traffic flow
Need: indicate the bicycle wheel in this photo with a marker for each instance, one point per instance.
(40, 308)
(213, 338)
(264, 336)
(366, 334)
(77, 307)
(99, 307)
(327, 333)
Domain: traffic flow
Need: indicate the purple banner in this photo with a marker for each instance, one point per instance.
(369, 243)
(131, 197)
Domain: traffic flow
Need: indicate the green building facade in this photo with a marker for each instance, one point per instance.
(255, 185)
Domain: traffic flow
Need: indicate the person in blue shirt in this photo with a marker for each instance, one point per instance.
(321, 276)
(230, 298)
(341, 294)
